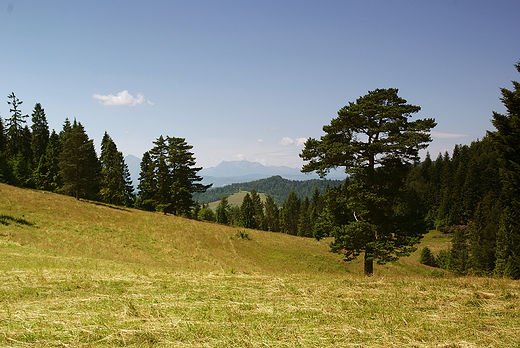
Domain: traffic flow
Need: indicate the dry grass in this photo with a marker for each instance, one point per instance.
(76, 274)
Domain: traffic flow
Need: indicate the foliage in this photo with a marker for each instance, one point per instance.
(116, 185)
(376, 143)
(427, 257)
(276, 186)
(168, 177)
(79, 165)
(222, 211)
(507, 144)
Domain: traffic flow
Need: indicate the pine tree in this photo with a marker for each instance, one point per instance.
(185, 181)
(459, 250)
(40, 133)
(21, 162)
(5, 169)
(259, 210)
(222, 211)
(79, 165)
(115, 177)
(247, 212)
(304, 220)
(507, 143)
(290, 214)
(147, 184)
(376, 143)
(169, 178)
(46, 176)
(15, 125)
(482, 237)
(272, 214)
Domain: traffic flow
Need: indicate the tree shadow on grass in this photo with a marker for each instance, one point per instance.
(7, 219)
(108, 205)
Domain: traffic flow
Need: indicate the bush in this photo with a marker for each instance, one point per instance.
(242, 235)
(427, 257)
(444, 259)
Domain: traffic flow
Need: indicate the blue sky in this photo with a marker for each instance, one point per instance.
(253, 79)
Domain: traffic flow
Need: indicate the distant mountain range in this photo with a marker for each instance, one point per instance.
(231, 172)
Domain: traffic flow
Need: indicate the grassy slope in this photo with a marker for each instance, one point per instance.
(66, 226)
(75, 273)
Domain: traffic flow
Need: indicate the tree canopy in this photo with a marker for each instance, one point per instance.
(376, 143)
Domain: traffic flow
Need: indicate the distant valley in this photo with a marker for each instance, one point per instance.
(234, 172)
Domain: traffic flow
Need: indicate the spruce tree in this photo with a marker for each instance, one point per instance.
(169, 177)
(290, 214)
(79, 166)
(147, 186)
(507, 143)
(115, 186)
(304, 220)
(5, 169)
(247, 212)
(271, 214)
(259, 210)
(14, 126)
(40, 133)
(222, 211)
(46, 175)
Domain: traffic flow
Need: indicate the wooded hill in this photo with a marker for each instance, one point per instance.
(276, 186)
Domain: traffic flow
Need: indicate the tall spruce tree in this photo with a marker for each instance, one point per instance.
(46, 174)
(115, 188)
(14, 126)
(169, 177)
(147, 186)
(247, 212)
(271, 214)
(376, 143)
(507, 143)
(185, 181)
(222, 211)
(259, 210)
(290, 214)
(5, 169)
(79, 166)
(40, 133)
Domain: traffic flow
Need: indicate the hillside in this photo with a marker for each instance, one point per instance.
(68, 227)
(84, 274)
(278, 187)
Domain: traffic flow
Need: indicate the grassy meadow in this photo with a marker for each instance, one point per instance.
(85, 274)
(235, 199)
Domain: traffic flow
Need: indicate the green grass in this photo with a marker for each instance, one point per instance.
(236, 199)
(79, 274)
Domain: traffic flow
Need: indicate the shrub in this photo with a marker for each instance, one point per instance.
(444, 259)
(427, 257)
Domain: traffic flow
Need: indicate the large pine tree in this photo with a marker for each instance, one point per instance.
(14, 126)
(507, 143)
(376, 143)
(115, 186)
(169, 177)
(79, 166)
(40, 133)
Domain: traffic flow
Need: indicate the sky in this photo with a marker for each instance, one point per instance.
(253, 80)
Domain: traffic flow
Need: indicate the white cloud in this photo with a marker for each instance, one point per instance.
(441, 135)
(286, 141)
(121, 98)
(300, 141)
(261, 141)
